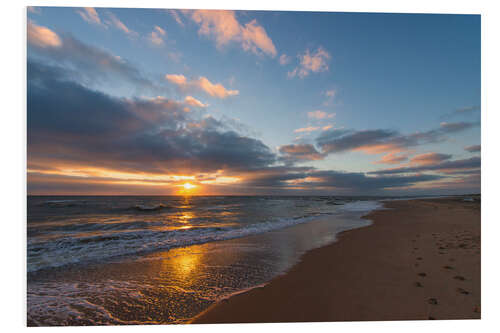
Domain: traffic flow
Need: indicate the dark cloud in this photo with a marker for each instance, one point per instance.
(69, 123)
(473, 149)
(361, 181)
(334, 141)
(383, 140)
(453, 166)
(333, 180)
(462, 112)
(299, 152)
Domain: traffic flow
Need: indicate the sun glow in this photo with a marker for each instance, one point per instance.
(188, 186)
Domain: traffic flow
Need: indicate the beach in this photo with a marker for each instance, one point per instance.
(418, 260)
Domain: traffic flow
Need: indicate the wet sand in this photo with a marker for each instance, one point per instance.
(419, 260)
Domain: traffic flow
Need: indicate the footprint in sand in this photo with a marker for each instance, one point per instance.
(462, 291)
(432, 318)
(447, 267)
(419, 258)
(432, 301)
(418, 284)
(422, 274)
(459, 277)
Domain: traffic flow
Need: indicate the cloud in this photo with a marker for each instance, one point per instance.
(455, 166)
(392, 158)
(462, 112)
(42, 37)
(284, 59)
(89, 63)
(176, 17)
(384, 140)
(330, 93)
(115, 22)
(194, 102)
(429, 158)
(360, 181)
(90, 15)
(223, 26)
(330, 96)
(307, 179)
(203, 84)
(306, 129)
(473, 149)
(311, 62)
(299, 152)
(318, 114)
(456, 127)
(156, 36)
(71, 125)
(334, 141)
(34, 10)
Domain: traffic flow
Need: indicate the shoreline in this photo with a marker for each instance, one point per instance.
(418, 259)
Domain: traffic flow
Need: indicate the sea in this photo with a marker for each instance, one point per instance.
(111, 260)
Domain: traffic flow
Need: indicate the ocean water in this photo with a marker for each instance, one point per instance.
(156, 260)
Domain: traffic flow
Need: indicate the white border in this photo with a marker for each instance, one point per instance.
(13, 200)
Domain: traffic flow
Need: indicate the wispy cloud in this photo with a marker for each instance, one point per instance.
(116, 23)
(307, 129)
(284, 59)
(223, 26)
(462, 112)
(383, 140)
(157, 35)
(176, 16)
(202, 83)
(455, 166)
(89, 63)
(315, 62)
(318, 114)
(430, 158)
(90, 15)
(473, 148)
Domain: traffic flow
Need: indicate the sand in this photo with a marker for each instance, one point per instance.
(419, 260)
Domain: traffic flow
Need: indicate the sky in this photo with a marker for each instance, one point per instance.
(204, 102)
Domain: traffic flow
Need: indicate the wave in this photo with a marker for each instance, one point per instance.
(71, 250)
(150, 208)
(119, 240)
(63, 203)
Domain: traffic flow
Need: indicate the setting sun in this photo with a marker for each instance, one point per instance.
(188, 186)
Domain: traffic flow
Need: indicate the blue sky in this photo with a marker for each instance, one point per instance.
(333, 98)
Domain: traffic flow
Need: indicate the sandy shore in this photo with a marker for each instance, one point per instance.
(419, 260)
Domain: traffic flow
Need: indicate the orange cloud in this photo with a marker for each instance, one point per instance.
(392, 158)
(224, 27)
(202, 83)
(318, 114)
(42, 36)
(156, 36)
(311, 62)
(307, 129)
(90, 15)
(194, 102)
(430, 158)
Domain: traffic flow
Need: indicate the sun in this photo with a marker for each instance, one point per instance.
(188, 186)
